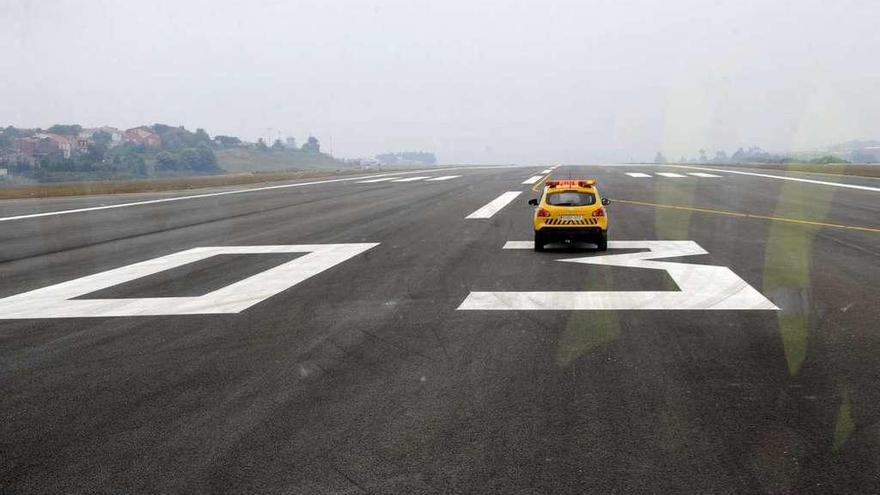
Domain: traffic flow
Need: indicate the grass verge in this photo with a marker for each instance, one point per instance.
(159, 185)
(853, 170)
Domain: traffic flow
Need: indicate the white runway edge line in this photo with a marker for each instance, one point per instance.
(701, 174)
(494, 206)
(194, 196)
(781, 177)
(637, 174)
(443, 177)
(532, 180)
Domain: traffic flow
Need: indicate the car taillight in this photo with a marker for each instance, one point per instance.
(543, 213)
(599, 213)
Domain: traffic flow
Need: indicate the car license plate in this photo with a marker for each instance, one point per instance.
(570, 218)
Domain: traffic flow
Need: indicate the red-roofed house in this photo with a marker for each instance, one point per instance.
(143, 136)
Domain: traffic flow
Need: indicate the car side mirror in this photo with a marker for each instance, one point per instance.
(533, 202)
(606, 201)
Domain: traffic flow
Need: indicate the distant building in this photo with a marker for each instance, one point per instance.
(64, 144)
(143, 136)
(44, 144)
(4, 172)
(115, 135)
(290, 143)
(47, 144)
(84, 139)
(26, 147)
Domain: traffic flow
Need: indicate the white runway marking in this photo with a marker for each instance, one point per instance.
(701, 174)
(780, 177)
(702, 287)
(443, 177)
(494, 206)
(670, 174)
(383, 179)
(58, 301)
(411, 179)
(193, 196)
(637, 174)
(532, 180)
(546, 171)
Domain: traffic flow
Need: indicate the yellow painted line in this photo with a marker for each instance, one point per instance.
(749, 215)
(538, 184)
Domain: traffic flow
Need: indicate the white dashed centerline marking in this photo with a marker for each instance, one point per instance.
(443, 177)
(671, 174)
(411, 179)
(383, 179)
(637, 174)
(494, 206)
(532, 180)
(701, 174)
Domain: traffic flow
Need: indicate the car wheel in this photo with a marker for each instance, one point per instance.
(539, 242)
(602, 242)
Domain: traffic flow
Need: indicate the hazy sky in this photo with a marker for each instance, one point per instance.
(471, 80)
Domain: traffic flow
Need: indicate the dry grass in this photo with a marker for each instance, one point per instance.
(157, 185)
(855, 170)
(835, 169)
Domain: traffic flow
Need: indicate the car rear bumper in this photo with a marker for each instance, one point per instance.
(568, 233)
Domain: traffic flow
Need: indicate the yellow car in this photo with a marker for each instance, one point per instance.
(570, 210)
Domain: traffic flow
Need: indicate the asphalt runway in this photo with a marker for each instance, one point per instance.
(314, 338)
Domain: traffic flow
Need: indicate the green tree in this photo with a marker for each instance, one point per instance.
(166, 161)
(66, 129)
(261, 145)
(278, 145)
(828, 159)
(202, 138)
(312, 145)
(227, 140)
(206, 161)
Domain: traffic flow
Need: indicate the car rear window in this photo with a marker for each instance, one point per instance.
(571, 198)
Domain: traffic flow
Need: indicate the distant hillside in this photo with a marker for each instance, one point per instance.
(236, 160)
(71, 152)
(856, 145)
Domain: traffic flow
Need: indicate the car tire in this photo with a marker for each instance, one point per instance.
(602, 242)
(539, 242)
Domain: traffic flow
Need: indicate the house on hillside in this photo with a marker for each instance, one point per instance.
(142, 136)
(52, 143)
(84, 139)
(26, 147)
(87, 137)
(115, 135)
(65, 144)
(45, 144)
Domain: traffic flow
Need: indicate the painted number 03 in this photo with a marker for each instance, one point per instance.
(701, 286)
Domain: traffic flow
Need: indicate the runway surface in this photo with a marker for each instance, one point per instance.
(395, 334)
